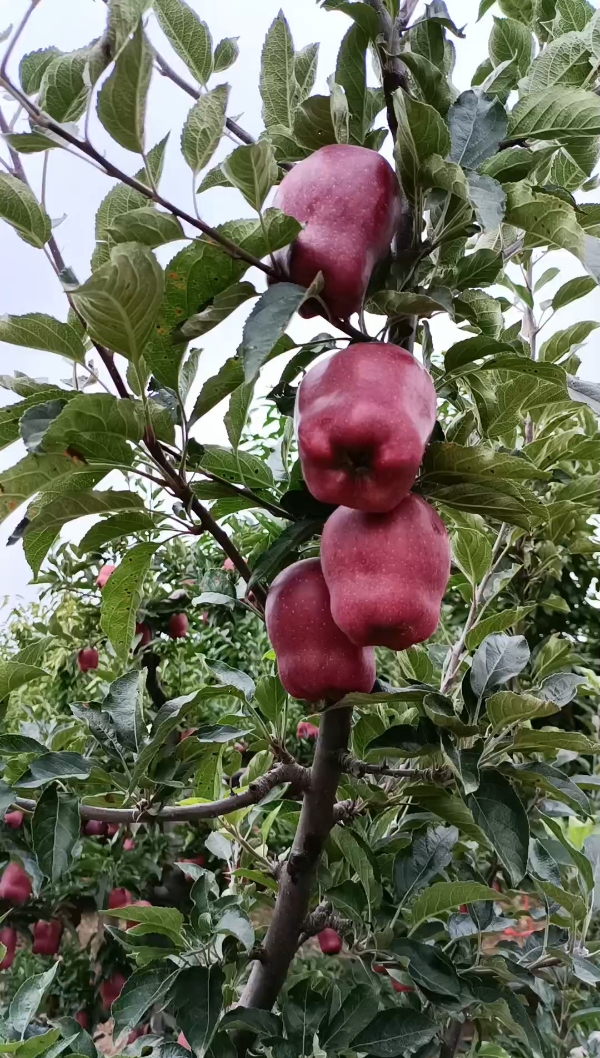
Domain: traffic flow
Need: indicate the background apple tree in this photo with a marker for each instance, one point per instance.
(449, 852)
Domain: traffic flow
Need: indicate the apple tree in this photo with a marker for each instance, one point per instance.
(441, 841)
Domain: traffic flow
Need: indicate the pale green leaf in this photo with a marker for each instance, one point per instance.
(226, 53)
(32, 67)
(189, 36)
(122, 98)
(253, 170)
(123, 18)
(122, 595)
(558, 114)
(20, 209)
(204, 127)
(31, 474)
(511, 40)
(277, 80)
(28, 998)
(443, 896)
(477, 127)
(146, 226)
(38, 331)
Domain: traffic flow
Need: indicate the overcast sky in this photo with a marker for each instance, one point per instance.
(75, 190)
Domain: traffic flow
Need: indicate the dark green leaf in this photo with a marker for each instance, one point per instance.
(355, 1013)
(428, 855)
(500, 814)
(275, 557)
(267, 323)
(477, 126)
(196, 1004)
(429, 967)
(189, 36)
(122, 595)
(20, 209)
(124, 703)
(55, 830)
(496, 661)
(122, 98)
(28, 998)
(394, 1032)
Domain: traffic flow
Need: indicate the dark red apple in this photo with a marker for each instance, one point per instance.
(350, 203)
(306, 730)
(82, 1019)
(47, 937)
(178, 626)
(364, 416)
(316, 660)
(119, 898)
(8, 937)
(111, 989)
(87, 659)
(399, 987)
(95, 828)
(330, 941)
(14, 820)
(106, 571)
(143, 630)
(386, 573)
(15, 884)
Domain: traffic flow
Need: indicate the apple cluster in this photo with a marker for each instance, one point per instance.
(364, 417)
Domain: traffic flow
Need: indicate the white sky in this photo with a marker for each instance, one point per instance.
(27, 283)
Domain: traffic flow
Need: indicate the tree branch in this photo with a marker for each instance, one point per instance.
(359, 768)
(297, 878)
(283, 773)
(168, 71)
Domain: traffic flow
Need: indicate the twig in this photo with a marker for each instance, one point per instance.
(16, 36)
(359, 768)
(168, 71)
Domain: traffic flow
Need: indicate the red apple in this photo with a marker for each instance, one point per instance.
(128, 845)
(189, 731)
(399, 987)
(351, 206)
(8, 937)
(119, 898)
(15, 884)
(87, 659)
(112, 829)
(364, 416)
(106, 571)
(330, 941)
(377, 968)
(386, 573)
(47, 937)
(204, 617)
(316, 660)
(95, 828)
(82, 1019)
(181, 1040)
(14, 820)
(178, 626)
(306, 730)
(229, 565)
(111, 989)
(143, 630)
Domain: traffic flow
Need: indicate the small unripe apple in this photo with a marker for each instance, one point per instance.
(364, 416)
(87, 659)
(330, 941)
(181, 1040)
(82, 1019)
(306, 730)
(143, 630)
(111, 989)
(128, 844)
(47, 937)
(399, 987)
(178, 626)
(106, 571)
(14, 820)
(350, 204)
(8, 937)
(15, 884)
(386, 573)
(316, 660)
(119, 898)
(229, 565)
(95, 828)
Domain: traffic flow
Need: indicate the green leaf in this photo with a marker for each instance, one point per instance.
(572, 15)
(421, 134)
(567, 341)
(189, 36)
(555, 782)
(313, 123)
(477, 127)
(354, 854)
(253, 170)
(572, 902)
(28, 998)
(276, 556)
(489, 201)
(124, 524)
(395, 1032)
(11, 415)
(23, 667)
(122, 595)
(548, 221)
(196, 1004)
(403, 303)
(204, 127)
(55, 830)
(506, 708)
(355, 1013)
(20, 209)
(222, 307)
(147, 226)
(120, 301)
(215, 389)
(124, 703)
(67, 507)
(433, 86)
(572, 290)
(427, 856)
(497, 660)
(35, 422)
(277, 80)
(123, 18)
(559, 114)
(436, 172)
(229, 677)
(305, 71)
(443, 896)
(237, 413)
(478, 269)
(64, 92)
(52, 766)
(482, 310)
(30, 142)
(236, 467)
(430, 968)
(267, 323)
(564, 61)
(32, 67)
(472, 553)
(31, 474)
(226, 53)
(498, 811)
(510, 165)
(123, 96)
(38, 331)
(511, 40)
(548, 741)
(140, 992)
(162, 919)
(98, 426)
(351, 74)
(235, 923)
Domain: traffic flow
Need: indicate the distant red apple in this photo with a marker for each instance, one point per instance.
(14, 820)
(330, 941)
(398, 987)
(112, 829)
(128, 844)
(87, 659)
(119, 898)
(143, 630)
(106, 571)
(95, 828)
(47, 937)
(8, 937)
(82, 1019)
(306, 730)
(178, 626)
(15, 884)
(377, 968)
(111, 989)
(229, 565)
(181, 1040)
(204, 617)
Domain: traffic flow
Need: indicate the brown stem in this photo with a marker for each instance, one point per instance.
(168, 71)
(359, 768)
(297, 879)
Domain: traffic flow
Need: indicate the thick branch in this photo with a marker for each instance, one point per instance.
(283, 773)
(297, 879)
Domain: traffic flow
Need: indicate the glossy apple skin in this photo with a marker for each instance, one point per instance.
(119, 898)
(350, 203)
(316, 660)
(363, 418)
(386, 573)
(47, 937)
(330, 941)
(15, 884)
